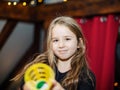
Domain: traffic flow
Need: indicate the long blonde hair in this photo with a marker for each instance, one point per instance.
(79, 60)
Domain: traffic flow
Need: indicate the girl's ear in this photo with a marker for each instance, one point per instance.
(80, 43)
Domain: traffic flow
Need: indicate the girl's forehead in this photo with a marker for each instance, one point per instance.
(62, 31)
(59, 28)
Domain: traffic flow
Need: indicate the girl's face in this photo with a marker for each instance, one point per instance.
(64, 42)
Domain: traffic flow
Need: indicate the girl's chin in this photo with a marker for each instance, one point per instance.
(64, 58)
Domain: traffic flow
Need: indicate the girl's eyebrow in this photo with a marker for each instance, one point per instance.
(53, 38)
(64, 36)
(68, 36)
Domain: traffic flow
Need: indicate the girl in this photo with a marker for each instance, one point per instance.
(66, 55)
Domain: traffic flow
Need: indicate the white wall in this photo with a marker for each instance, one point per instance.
(15, 47)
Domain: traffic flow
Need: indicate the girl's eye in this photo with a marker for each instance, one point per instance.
(55, 40)
(68, 39)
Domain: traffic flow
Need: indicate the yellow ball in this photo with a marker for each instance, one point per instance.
(41, 76)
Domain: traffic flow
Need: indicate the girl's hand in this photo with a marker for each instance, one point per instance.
(27, 86)
(57, 86)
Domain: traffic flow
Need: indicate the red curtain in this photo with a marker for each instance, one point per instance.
(101, 35)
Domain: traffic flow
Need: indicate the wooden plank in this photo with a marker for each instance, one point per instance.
(71, 8)
(7, 30)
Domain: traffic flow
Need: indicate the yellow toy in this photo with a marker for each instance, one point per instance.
(39, 76)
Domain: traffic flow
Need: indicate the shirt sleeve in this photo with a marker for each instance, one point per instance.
(87, 84)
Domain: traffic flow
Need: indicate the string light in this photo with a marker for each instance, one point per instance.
(116, 84)
(32, 2)
(24, 3)
(14, 3)
(9, 3)
(39, 1)
(65, 0)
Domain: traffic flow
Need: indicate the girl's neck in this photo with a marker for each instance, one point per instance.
(64, 66)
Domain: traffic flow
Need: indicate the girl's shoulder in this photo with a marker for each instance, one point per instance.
(87, 80)
(86, 73)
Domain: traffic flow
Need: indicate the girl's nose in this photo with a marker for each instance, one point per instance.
(61, 44)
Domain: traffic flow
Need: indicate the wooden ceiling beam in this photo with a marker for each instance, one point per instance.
(6, 32)
(71, 8)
